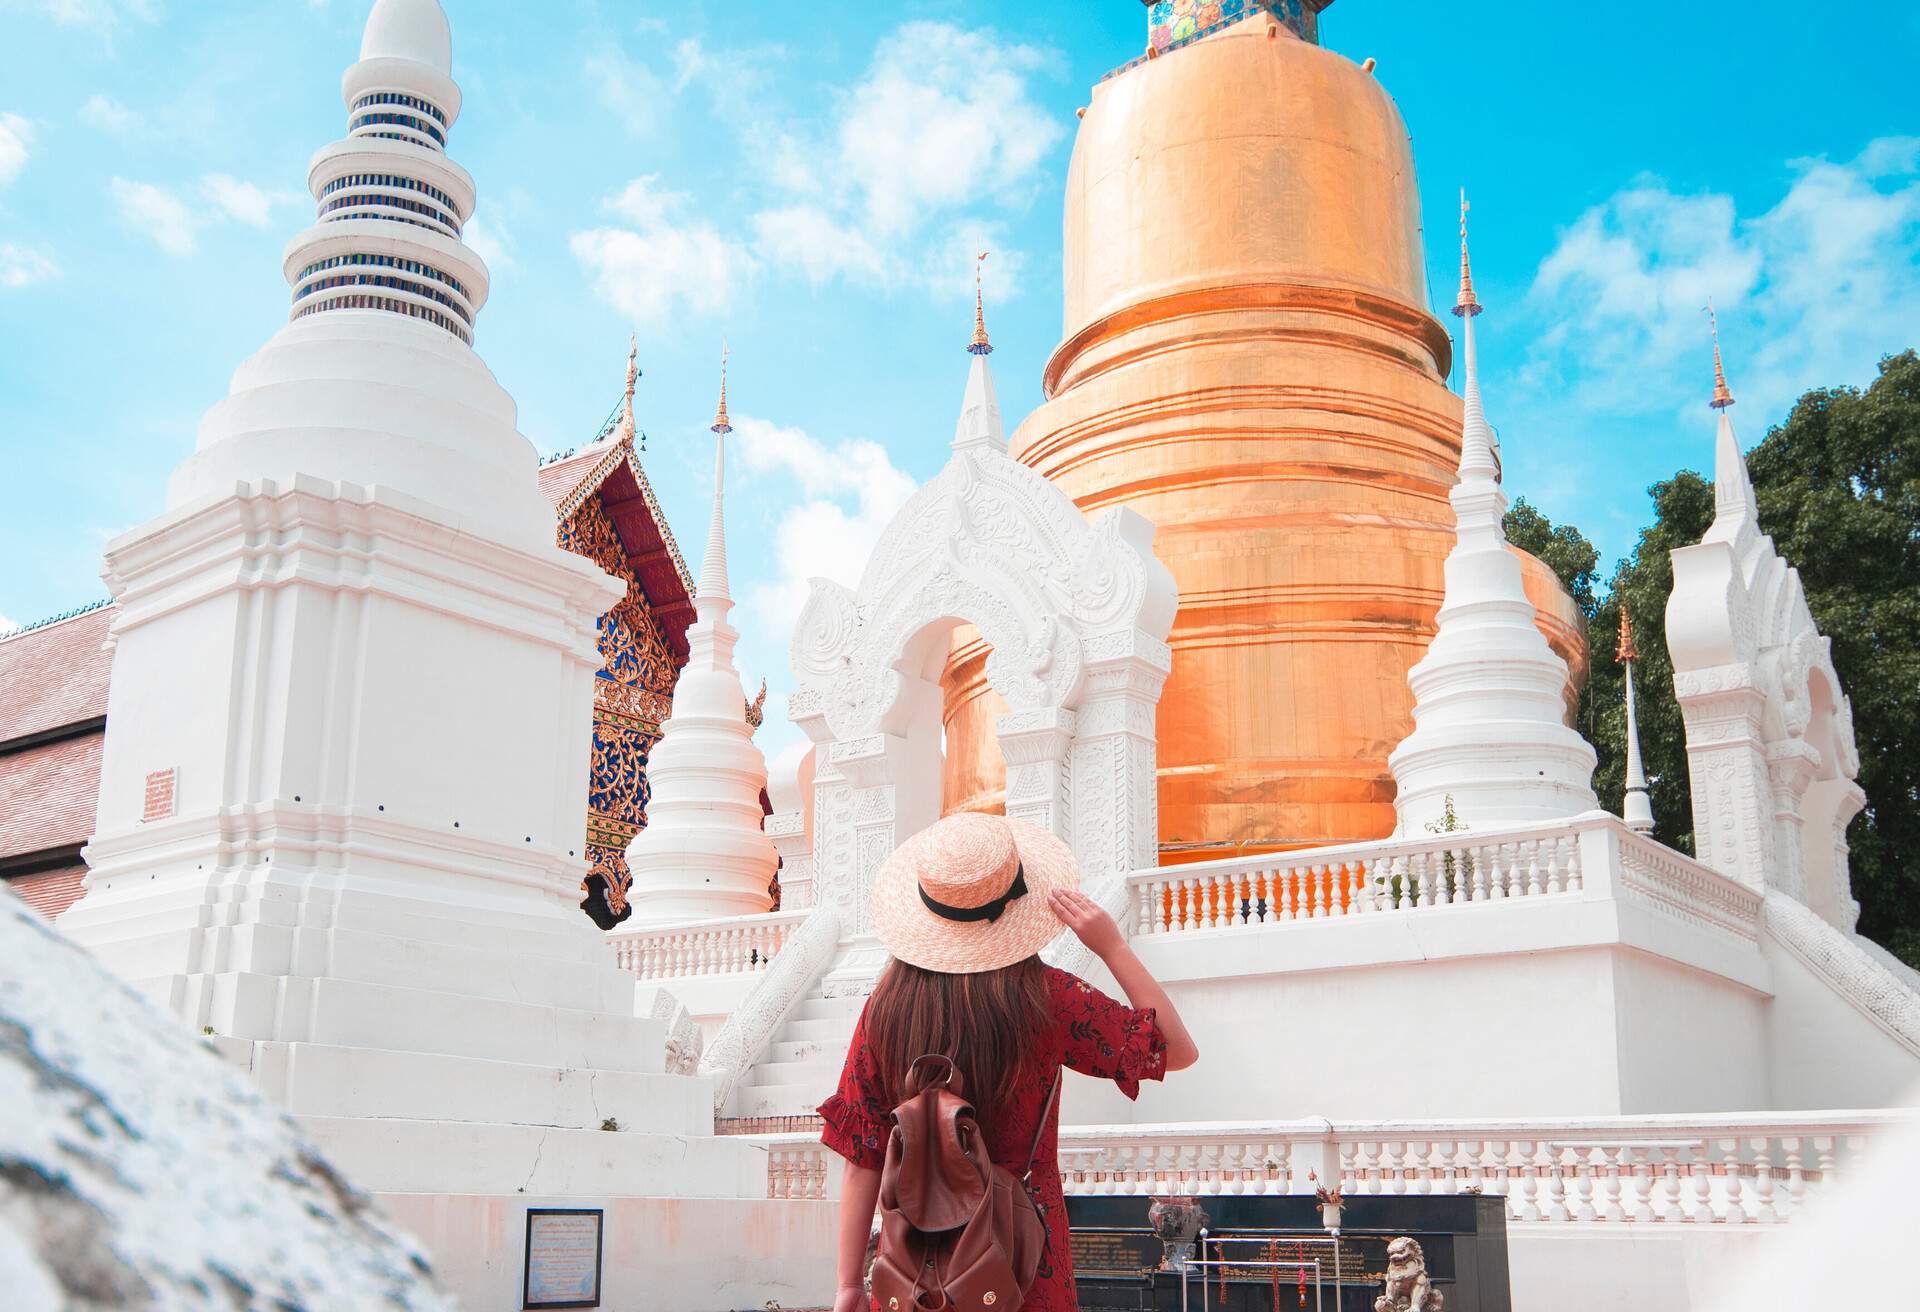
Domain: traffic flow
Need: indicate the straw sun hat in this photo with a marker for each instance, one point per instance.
(969, 893)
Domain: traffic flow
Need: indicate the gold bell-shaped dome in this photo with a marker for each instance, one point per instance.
(1249, 361)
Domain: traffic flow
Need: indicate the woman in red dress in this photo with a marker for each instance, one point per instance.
(964, 907)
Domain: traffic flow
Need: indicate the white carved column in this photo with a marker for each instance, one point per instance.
(1116, 807)
(1733, 820)
(1830, 806)
(1790, 770)
(1035, 745)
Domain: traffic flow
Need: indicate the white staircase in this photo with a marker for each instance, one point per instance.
(802, 1064)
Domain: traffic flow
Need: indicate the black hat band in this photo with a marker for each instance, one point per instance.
(987, 911)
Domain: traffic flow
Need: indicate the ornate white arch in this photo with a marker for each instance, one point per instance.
(1077, 615)
(1770, 742)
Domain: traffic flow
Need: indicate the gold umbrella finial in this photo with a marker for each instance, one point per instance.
(633, 375)
(721, 424)
(979, 345)
(1722, 396)
(1628, 652)
(1468, 303)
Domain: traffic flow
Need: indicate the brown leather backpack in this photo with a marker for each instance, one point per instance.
(956, 1231)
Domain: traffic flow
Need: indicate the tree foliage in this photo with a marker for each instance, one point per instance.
(1839, 491)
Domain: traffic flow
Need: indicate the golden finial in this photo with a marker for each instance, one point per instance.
(980, 345)
(721, 424)
(1627, 651)
(1468, 302)
(633, 373)
(1722, 398)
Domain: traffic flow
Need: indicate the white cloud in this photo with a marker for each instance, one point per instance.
(847, 493)
(16, 135)
(810, 241)
(1812, 291)
(108, 114)
(157, 212)
(175, 223)
(241, 201)
(941, 124)
(942, 119)
(491, 244)
(101, 14)
(20, 265)
(660, 259)
(630, 91)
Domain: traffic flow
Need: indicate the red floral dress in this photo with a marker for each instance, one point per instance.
(1090, 1033)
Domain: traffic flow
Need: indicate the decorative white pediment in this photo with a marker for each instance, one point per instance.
(1770, 739)
(1076, 615)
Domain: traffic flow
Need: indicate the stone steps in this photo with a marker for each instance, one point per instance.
(801, 1066)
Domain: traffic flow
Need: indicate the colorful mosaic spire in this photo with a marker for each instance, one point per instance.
(1172, 23)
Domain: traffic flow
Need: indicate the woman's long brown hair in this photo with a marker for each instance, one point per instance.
(987, 1023)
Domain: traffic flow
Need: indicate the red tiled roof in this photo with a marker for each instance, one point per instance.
(50, 891)
(55, 676)
(611, 471)
(49, 794)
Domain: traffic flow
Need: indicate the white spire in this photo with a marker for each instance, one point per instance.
(409, 29)
(1736, 511)
(1489, 708)
(713, 568)
(703, 852)
(392, 206)
(980, 425)
(1637, 807)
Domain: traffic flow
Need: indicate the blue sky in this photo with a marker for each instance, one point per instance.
(761, 171)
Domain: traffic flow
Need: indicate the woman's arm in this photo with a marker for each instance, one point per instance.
(859, 1194)
(1094, 927)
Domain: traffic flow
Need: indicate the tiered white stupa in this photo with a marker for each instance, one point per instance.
(704, 852)
(341, 798)
(1489, 713)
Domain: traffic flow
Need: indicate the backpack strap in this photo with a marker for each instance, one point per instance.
(1046, 1114)
(933, 1068)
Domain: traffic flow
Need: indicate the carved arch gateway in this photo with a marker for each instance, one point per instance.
(1770, 737)
(1077, 614)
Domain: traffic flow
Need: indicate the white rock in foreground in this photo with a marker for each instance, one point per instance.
(139, 1170)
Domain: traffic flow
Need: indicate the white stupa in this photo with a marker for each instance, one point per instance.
(1489, 696)
(340, 822)
(704, 852)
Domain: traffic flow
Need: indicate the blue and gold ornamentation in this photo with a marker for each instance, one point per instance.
(631, 698)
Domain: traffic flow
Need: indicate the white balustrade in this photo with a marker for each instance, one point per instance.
(725, 946)
(1731, 1169)
(1594, 855)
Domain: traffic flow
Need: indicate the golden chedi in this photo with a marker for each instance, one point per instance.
(1250, 362)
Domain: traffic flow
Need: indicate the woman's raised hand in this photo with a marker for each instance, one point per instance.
(1087, 919)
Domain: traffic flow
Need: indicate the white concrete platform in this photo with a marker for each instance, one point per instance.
(446, 1157)
(661, 1254)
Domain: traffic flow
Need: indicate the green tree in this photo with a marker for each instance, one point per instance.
(1839, 491)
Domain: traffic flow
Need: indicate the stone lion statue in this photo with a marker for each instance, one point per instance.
(1407, 1287)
